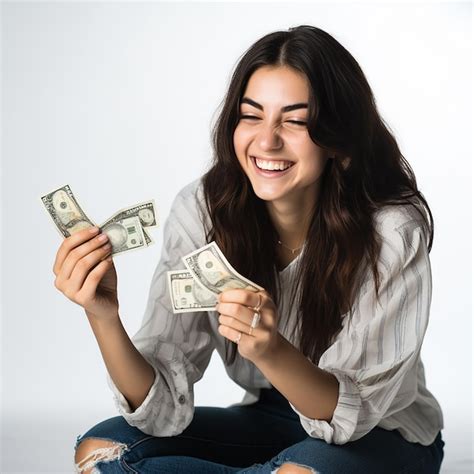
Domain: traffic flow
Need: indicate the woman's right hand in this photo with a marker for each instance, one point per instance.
(85, 277)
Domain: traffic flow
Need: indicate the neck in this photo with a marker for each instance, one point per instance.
(291, 218)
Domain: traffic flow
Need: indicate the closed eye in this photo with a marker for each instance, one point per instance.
(297, 122)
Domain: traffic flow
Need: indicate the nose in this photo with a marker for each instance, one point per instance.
(268, 137)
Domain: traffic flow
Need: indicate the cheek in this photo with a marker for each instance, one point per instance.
(315, 167)
(235, 139)
(240, 145)
(239, 139)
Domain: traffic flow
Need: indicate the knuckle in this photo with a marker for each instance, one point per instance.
(80, 300)
(74, 253)
(94, 275)
(57, 283)
(82, 264)
(89, 261)
(248, 299)
(68, 293)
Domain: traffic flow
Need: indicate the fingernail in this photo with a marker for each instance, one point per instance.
(109, 259)
(93, 230)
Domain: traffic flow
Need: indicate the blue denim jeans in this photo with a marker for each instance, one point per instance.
(256, 438)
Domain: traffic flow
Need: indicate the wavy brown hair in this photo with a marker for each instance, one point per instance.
(368, 172)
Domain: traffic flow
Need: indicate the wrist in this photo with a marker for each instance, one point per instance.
(272, 353)
(96, 321)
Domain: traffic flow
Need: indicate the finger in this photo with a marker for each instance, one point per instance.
(230, 333)
(233, 323)
(85, 265)
(80, 251)
(245, 297)
(237, 311)
(71, 242)
(89, 287)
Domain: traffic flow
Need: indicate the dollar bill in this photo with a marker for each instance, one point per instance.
(125, 234)
(187, 296)
(65, 211)
(125, 229)
(211, 270)
(145, 211)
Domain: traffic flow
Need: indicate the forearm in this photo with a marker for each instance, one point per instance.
(313, 391)
(131, 373)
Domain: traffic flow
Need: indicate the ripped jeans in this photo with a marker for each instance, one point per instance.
(264, 437)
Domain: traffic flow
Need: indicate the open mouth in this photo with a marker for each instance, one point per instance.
(271, 168)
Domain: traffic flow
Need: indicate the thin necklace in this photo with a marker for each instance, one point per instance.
(292, 250)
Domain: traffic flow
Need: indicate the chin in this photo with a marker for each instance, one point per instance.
(267, 193)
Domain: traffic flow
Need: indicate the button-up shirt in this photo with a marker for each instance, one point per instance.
(376, 358)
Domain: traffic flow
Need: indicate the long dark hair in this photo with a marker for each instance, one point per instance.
(368, 172)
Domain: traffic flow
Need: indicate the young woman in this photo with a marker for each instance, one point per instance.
(310, 197)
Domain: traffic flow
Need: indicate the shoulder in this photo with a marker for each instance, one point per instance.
(189, 200)
(187, 211)
(189, 195)
(402, 231)
(400, 218)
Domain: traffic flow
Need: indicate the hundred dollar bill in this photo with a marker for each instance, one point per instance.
(146, 213)
(186, 296)
(66, 213)
(213, 272)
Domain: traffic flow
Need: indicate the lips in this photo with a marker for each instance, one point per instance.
(272, 159)
(271, 173)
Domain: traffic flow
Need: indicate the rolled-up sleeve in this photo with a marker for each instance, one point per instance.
(375, 355)
(177, 346)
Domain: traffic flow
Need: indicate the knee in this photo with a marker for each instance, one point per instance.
(292, 468)
(92, 450)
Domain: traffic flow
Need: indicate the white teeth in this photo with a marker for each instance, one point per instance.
(273, 165)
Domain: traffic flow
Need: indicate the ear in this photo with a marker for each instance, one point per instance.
(345, 162)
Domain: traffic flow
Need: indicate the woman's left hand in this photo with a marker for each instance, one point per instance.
(236, 308)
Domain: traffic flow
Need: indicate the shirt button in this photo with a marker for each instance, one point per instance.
(181, 399)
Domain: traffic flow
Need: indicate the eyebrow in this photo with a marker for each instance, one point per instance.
(286, 108)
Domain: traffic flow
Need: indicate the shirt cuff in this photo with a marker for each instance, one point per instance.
(142, 412)
(345, 417)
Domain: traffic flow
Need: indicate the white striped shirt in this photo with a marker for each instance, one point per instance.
(376, 358)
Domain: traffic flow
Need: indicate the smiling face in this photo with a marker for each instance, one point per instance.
(277, 135)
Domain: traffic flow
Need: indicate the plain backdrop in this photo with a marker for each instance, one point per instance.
(117, 100)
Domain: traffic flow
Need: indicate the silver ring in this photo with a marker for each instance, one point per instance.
(257, 308)
(250, 330)
(238, 338)
(255, 320)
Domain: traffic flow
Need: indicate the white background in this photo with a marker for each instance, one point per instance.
(117, 100)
